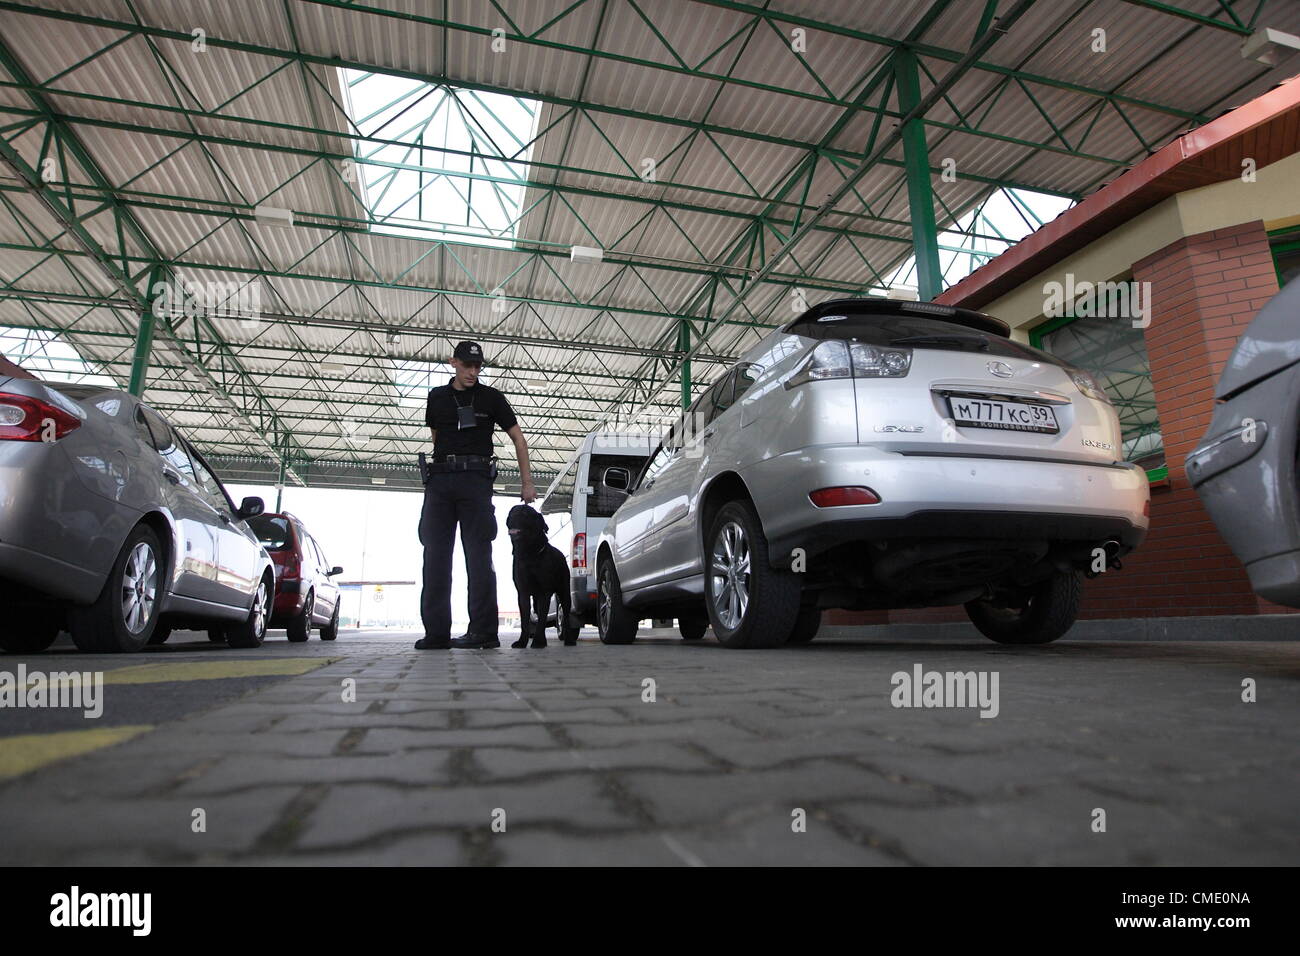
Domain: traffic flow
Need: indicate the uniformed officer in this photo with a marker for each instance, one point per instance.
(460, 416)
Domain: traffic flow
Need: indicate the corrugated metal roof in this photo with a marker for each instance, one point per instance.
(192, 140)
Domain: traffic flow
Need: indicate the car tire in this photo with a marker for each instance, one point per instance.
(757, 605)
(806, 625)
(123, 617)
(28, 632)
(217, 635)
(299, 626)
(161, 633)
(1038, 615)
(330, 631)
(692, 628)
(615, 622)
(251, 631)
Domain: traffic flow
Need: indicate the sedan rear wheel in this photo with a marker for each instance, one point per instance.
(1036, 615)
(750, 603)
(124, 615)
(299, 628)
(330, 631)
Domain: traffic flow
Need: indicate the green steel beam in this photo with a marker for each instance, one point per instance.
(1231, 26)
(334, 158)
(364, 325)
(480, 292)
(925, 237)
(684, 346)
(889, 142)
(923, 49)
(191, 113)
(765, 275)
(116, 268)
(952, 56)
(144, 338)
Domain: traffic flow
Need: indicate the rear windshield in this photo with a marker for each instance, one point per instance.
(602, 502)
(916, 332)
(272, 532)
(79, 392)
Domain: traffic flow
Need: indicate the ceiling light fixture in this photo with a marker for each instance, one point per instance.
(274, 216)
(586, 254)
(1269, 46)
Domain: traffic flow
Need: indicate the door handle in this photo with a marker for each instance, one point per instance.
(171, 476)
(708, 433)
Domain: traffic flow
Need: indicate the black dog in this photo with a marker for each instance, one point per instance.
(539, 571)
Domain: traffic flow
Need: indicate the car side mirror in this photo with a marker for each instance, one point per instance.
(335, 570)
(250, 507)
(617, 479)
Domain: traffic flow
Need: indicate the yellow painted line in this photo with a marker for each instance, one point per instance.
(215, 670)
(20, 755)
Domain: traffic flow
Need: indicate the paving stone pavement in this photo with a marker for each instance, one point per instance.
(560, 745)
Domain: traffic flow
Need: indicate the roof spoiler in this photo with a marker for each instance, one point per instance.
(969, 318)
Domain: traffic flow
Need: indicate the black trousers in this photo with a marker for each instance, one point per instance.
(464, 498)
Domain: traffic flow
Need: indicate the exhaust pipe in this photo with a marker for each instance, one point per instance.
(1111, 546)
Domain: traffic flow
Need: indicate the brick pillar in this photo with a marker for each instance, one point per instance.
(1205, 289)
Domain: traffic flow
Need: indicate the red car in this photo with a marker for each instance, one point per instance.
(305, 593)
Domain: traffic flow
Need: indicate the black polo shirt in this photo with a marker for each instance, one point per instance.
(489, 406)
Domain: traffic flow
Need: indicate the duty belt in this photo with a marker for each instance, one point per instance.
(450, 463)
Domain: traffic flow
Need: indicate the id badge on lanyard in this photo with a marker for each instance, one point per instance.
(465, 417)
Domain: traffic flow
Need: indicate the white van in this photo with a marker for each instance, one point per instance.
(577, 505)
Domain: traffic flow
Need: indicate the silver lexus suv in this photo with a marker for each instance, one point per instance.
(875, 454)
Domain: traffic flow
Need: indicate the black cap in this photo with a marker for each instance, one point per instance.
(470, 353)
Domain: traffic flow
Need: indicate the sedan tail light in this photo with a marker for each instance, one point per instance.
(844, 495)
(292, 571)
(579, 553)
(23, 418)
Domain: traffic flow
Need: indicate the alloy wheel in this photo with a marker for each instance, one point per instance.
(729, 575)
(602, 603)
(259, 610)
(139, 587)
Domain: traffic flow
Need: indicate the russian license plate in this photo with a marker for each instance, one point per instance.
(1008, 416)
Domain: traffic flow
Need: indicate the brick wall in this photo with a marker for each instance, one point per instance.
(1205, 289)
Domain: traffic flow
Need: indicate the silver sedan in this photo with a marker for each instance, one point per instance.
(114, 527)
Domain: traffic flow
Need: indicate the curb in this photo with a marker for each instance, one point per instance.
(1222, 628)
